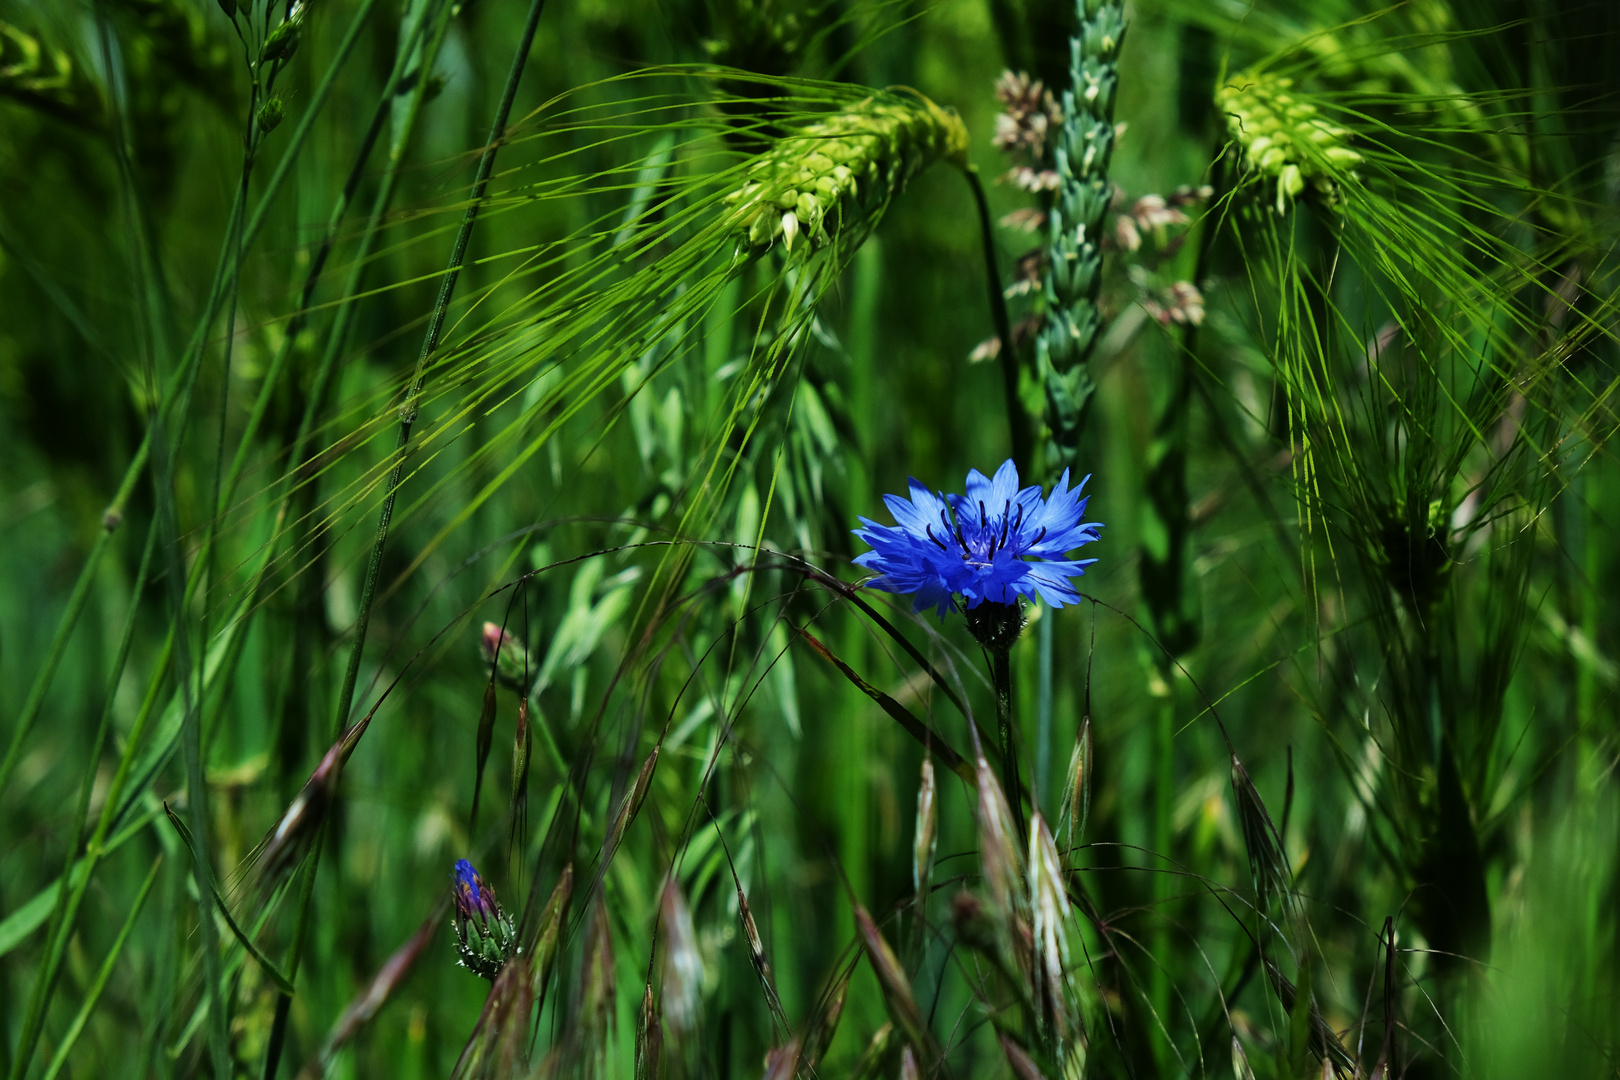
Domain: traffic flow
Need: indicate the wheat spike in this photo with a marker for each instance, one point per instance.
(1085, 145)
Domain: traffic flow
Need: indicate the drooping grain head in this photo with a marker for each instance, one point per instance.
(834, 178)
(1283, 136)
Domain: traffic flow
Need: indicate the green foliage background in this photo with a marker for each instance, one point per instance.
(1349, 654)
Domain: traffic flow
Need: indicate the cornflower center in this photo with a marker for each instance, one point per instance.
(978, 542)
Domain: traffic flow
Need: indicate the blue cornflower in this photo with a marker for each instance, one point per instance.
(994, 544)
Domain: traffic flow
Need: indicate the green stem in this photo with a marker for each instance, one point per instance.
(1001, 678)
(111, 519)
(272, 377)
(1163, 879)
(1043, 707)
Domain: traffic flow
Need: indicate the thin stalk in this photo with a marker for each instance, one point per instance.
(430, 343)
(59, 1059)
(1163, 879)
(111, 519)
(179, 384)
(65, 913)
(191, 744)
(1018, 426)
(1001, 678)
(1043, 708)
(295, 951)
(272, 377)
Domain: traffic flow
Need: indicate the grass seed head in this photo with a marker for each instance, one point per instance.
(270, 114)
(896, 987)
(552, 918)
(998, 843)
(500, 1042)
(756, 954)
(1077, 799)
(649, 1038)
(294, 832)
(826, 1024)
(1023, 1065)
(875, 1055)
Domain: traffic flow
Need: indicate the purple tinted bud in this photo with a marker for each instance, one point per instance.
(485, 937)
(474, 897)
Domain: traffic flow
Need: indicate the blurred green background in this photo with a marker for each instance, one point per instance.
(1358, 539)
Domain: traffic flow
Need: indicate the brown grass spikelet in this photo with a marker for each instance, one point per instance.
(825, 1026)
(633, 799)
(922, 851)
(782, 1062)
(295, 830)
(598, 984)
(1023, 1065)
(552, 918)
(756, 954)
(499, 1044)
(376, 994)
(522, 742)
(872, 1059)
(649, 1038)
(896, 988)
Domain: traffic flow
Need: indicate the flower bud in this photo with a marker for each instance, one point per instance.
(282, 42)
(485, 937)
(270, 114)
(510, 658)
